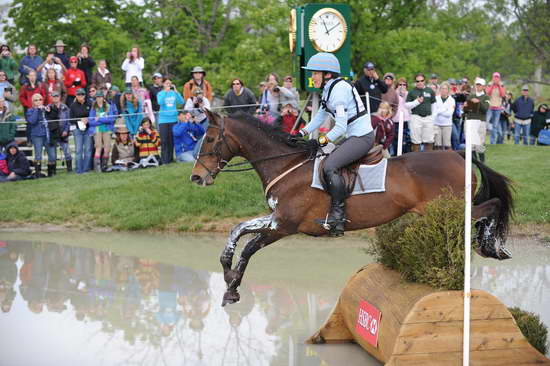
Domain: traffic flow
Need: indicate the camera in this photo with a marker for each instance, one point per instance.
(199, 100)
(276, 89)
(9, 90)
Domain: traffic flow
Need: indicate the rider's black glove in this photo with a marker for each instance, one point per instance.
(295, 140)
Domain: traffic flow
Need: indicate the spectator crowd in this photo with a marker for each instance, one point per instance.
(123, 128)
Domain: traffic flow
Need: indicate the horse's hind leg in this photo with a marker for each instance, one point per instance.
(247, 227)
(233, 277)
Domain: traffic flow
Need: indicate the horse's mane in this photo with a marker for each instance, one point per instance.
(274, 132)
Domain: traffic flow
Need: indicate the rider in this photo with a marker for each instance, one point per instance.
(340, 100)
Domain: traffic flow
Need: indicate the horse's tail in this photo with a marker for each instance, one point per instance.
(495, 185)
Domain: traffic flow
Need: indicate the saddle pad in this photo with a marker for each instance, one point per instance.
(373, 177)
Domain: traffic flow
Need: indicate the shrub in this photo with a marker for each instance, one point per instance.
(427, 249)
(532, 328)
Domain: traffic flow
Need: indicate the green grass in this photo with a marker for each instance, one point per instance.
(156, 198)
(164, 199)
(529, 168)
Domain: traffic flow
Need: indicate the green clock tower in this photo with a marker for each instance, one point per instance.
(319, 28)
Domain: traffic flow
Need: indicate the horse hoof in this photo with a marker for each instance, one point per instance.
(504, 253)
(230, 297)
(230, 276)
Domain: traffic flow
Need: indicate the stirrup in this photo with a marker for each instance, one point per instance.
(335, 227)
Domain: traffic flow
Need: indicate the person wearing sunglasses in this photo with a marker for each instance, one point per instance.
(419, 101)
(74, 79)
(239, 98)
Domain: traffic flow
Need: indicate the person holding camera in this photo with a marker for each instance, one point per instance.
(197, 82)
(74, 79)
(60, 53)
(53, 84)
(7, 90)
(86, 63)
(196, 105)
(52, 62)
(7, 63)
(169, 99)
(187, 134)
(273, 98)
(40, 134)
(133, 65)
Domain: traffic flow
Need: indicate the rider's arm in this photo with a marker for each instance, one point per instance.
(340, 125)
(317, 121)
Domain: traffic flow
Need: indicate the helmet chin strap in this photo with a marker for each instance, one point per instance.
(325, 79)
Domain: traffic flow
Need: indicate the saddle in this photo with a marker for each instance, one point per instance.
(350, 172)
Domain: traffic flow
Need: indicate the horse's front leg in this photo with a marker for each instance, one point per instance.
(251, 226)
(233, 277)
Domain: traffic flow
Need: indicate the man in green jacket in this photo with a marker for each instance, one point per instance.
(7, 63)
(476, 110)
(419, 101)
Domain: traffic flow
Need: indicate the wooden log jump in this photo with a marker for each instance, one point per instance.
(421, 326)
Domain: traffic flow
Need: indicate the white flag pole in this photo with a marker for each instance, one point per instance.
(368, 103)
(400, 134)
(467, 246)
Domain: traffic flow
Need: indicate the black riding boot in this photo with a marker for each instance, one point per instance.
(482, 157)
(474, 155)
(69, 164)
(337, 215)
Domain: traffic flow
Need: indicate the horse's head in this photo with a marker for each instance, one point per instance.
(217, 149)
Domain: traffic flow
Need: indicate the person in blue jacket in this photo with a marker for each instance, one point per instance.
(132, 108)
(341, 101)
(102, 123)
(186, 135)
(40, 133)
(168, 99)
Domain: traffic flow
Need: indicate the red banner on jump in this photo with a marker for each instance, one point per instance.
(368, 322)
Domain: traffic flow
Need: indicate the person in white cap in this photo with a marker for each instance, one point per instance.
(476, 110)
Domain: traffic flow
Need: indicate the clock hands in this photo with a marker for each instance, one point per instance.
(328, 31)
(325, 25)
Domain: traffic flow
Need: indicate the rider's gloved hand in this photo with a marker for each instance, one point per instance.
(297, 139)
(313, 144)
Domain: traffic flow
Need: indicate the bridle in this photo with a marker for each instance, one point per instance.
(224, 164)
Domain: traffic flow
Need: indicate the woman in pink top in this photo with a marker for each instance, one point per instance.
(402, 92)
(496, 93)
(144, 98)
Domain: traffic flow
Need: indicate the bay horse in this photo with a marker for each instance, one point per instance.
(412, 180)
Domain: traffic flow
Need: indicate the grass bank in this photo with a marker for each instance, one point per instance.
(164, 199)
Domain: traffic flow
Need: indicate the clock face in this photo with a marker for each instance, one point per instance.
(327, 30)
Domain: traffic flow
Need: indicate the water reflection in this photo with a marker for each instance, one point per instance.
(93, 307)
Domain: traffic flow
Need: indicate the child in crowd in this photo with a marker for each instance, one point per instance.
(147, 142)
(383, 127)
(186, 135)
(15, 166)
(287, 120)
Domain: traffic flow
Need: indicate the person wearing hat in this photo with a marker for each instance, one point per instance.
(187, 135)
(17, 163)
(523, 108)
(102, 77)
(342, 102)
(539, 122)
(79, 112)
(102, 120)
(197, 81)
(124, 150)
(60, 53)
(419, 101)
(390, 96)
(132, 108)
(370, 83)
(154, 90)
(74, 79)
(496, 93)
(58, 115)
(475, 109)
(196, 106)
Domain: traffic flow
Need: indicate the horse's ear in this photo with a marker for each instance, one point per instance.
(213, 117)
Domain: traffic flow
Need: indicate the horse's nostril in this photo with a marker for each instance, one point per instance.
(196, 179)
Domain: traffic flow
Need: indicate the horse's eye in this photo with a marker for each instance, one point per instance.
(209, 139)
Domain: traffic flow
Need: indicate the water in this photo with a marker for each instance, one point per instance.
(136, 299)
